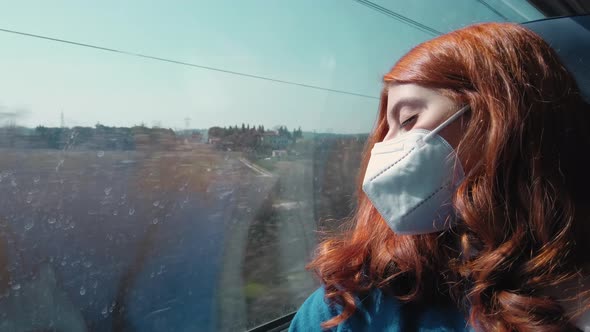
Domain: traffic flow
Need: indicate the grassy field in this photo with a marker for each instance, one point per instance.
(129, 230)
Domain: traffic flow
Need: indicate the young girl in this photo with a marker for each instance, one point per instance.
(473, 207)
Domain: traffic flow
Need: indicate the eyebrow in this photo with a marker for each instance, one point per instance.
(408, 101)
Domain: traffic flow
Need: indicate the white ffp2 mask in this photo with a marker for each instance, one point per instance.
(411, 179)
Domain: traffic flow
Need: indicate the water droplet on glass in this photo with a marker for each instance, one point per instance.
(37, 179)
(155, 221)
(82, 291)
(115, 213)
(59, 164)
(29, 197)
(13, 183)
(100, 154)
(51, 220)
(105, 311)
(107, 191)
(15, 287)
(95, 284)
(29, 225)
(156, 203)
(87, 264)
(131, 211)
(208, 169)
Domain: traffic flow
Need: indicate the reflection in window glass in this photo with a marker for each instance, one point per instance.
(141, 194)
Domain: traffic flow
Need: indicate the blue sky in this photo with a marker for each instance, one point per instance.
(337, 44)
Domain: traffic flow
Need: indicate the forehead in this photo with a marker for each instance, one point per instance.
(397, 91)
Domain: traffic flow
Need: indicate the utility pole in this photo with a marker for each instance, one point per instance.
(187, 123)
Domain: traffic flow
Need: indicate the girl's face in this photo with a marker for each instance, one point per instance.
(410, 106)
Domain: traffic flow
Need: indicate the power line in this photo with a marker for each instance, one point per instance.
(400, 17)
(494, 10)
(177, 62)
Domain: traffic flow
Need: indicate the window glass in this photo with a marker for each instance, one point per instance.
(165, 166)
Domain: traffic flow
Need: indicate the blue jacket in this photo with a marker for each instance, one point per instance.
(377, 312)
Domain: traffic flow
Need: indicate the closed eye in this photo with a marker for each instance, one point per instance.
(409, 121)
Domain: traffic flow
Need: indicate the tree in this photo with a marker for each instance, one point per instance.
(216, 132)
(51, 136)
(297, 133)
(283, 131)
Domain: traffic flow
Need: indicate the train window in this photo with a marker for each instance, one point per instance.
(166, 166)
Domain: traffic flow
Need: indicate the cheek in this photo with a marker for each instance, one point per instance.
(452, 134)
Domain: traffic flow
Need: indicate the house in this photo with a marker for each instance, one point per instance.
(275, 141)
(279, 153)
(214, 140)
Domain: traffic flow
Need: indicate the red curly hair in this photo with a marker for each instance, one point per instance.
(522, 224)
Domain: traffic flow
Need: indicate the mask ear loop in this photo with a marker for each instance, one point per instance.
(440, 127)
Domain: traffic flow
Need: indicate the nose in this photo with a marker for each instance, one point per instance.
(390, 135)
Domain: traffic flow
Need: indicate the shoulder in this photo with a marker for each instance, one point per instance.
(376, 312)
(314, 311)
